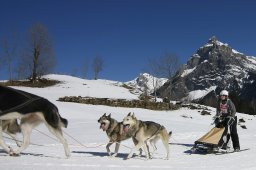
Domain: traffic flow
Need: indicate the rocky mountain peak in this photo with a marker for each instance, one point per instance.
(214, 66)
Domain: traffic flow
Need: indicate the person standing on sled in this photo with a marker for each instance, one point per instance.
(226, 111)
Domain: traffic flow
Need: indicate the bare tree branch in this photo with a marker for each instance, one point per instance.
(97, 66)
(85, 68)
(164, 66)
(39, 57)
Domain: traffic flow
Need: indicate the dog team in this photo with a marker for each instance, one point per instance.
(32, 110)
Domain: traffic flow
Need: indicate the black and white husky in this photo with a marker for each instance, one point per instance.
(31, 110)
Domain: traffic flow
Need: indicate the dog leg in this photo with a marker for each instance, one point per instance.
(153, 143)
(137, 147)
(2, 143)
(135, 143)
(26, 130)
(13, 136)
(58, 133)
(146, 150)
(116, 149)
(107, 147)
(166, 145)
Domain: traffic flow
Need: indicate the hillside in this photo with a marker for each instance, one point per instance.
(186, 124)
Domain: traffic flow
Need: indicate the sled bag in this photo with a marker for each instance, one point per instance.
(213, 137)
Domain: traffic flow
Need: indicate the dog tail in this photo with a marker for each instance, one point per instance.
(64, 122)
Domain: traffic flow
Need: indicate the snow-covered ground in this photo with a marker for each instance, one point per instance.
(46, 153)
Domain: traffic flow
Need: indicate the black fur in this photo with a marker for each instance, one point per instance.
(12, 100)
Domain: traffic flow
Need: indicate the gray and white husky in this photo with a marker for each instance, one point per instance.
(146, 131)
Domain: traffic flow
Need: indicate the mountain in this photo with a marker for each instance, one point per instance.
(146, 82)
(214, 67)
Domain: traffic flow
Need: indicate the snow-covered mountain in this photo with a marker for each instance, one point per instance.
(215, 66)
(146, 82)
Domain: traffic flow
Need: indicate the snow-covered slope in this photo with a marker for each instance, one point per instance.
(46, 153)
(73, 86)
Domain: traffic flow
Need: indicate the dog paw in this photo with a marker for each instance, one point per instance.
(13, 153)
(114, 155)
(68, 156)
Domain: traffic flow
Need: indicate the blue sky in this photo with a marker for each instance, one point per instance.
(126, 33)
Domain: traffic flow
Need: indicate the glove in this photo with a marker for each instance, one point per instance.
(215, 117)
(216, 121)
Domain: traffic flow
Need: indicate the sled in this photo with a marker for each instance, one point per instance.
(213, 141)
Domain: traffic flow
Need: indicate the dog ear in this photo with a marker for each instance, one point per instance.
(104, 114)
(109, 115)
(133, 115)
(129, 114)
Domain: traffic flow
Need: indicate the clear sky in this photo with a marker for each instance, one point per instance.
(125, 33)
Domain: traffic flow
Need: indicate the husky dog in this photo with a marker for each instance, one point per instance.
(115, 133)
(11, 127)
(144, 131)
(31, 110)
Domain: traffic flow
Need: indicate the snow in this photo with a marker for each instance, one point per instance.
(187, 72)
(73, 86)
(216, 42)
(83, 126)
(221, 43)
(251, 62)
(236, 52)
(197, 94)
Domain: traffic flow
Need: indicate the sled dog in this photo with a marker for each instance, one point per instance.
(115, 133)
(144, 131)
(31, 113)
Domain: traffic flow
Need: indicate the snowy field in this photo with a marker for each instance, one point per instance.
(45, 153)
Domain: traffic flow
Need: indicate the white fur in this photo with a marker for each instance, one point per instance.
(27, 123)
